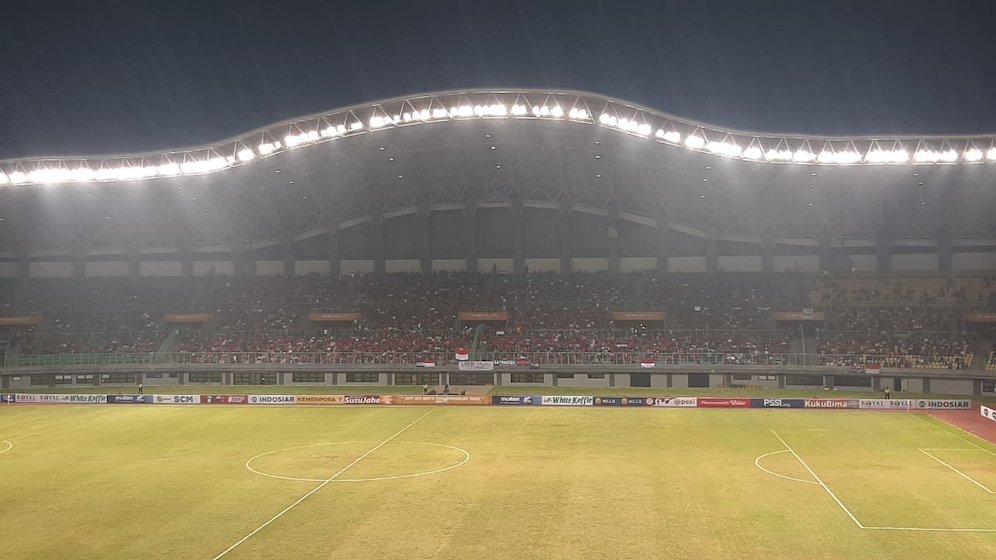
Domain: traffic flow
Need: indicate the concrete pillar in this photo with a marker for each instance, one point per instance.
(237, 251)
(517, 233)
(377, 241)
(882, 252)
(767, 252)
(926, 385)
(187, 260)
(564, 224)
(662, 248)
(288, 253)
(712, 252)
(79, 263)
(425, 239)
(470, 235)
(826, 254)
(134, 263)
(945, 251)
(335, 261)
(613, 232)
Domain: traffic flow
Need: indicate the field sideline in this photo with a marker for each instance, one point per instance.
(172, 482)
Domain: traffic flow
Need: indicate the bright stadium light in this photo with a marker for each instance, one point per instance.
(839, 157)
(724, 149)
(355, 125)
(887, 156)
(267, 148)
(3, 179)
(803, 156)
(246, 155)
(577, 114)
(694, 142)
(991, 154)
(933, 156)
(519, 110)
(974, 154)
(168, 170)
(753, 152)
(778, 155)
(18, 177)
(203, 166)
(556, 111)
(672, 136)
(439, 113)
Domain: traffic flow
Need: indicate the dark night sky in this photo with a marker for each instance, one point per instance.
(104, 77)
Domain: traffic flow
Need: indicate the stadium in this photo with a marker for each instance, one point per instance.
(435, 314)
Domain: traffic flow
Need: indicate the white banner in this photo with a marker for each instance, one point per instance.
(60, 398)
(672, 402)
(272, 399)
(475, 366)
(918, 404)
(567, 401)
(648, 364)
(177, 399)
(988, 413)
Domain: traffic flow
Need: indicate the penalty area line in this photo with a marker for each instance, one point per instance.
(8, 448)
(963, 475)
(324, 483)
(819, 481)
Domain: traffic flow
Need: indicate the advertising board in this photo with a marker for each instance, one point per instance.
(987, 412)
(443, 399)
(177, 399)
(718, 402)
(777, 403)
(129, 399)
(565, 400)
(513, 400)
(7, 398)
(917, 404)
(272, 399)
(319, 399)
(224, 399)
(60, 398)
(672, 402)
(472, 365)
(368, 399)
(831, 403)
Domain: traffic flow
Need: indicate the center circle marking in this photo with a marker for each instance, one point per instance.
(464, 452)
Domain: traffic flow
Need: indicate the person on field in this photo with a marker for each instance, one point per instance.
(141, 389)
(425, 389)
(886, 390)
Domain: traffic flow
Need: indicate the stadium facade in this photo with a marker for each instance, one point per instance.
(508, 181)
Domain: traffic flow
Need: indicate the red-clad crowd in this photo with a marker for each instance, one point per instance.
(407, 314)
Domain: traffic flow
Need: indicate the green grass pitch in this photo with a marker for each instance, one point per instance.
(107, 482)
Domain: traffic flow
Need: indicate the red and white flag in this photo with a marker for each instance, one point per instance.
(648, 363)
(873, 368)
(428, 362)
(461, 354)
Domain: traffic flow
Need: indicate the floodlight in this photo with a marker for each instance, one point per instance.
(803, 156)
(246, 155)
(991, 154)
(974, 154)
(672, 136)
(519, 110)
(694, 142)
(724, 149)
(778, 155)
(753, 152)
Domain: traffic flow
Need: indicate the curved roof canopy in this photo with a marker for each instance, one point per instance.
(538, 105)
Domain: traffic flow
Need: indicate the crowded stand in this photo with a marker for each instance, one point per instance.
(936, 291)
(400, 316)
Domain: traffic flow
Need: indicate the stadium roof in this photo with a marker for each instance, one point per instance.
(448, 149)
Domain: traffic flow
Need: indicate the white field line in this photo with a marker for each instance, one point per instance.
(322, 485)
(8, 448)
(757, 463)
(959, 436)
(963, 475)
(819, 481)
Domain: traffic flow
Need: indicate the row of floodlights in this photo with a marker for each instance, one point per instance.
(693, 141)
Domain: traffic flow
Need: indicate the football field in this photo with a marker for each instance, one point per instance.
(240, 482)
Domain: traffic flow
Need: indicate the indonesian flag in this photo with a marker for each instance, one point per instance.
(428, 362)
(461, 354)
(648, 363)
(521, 362)
(872, 368)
